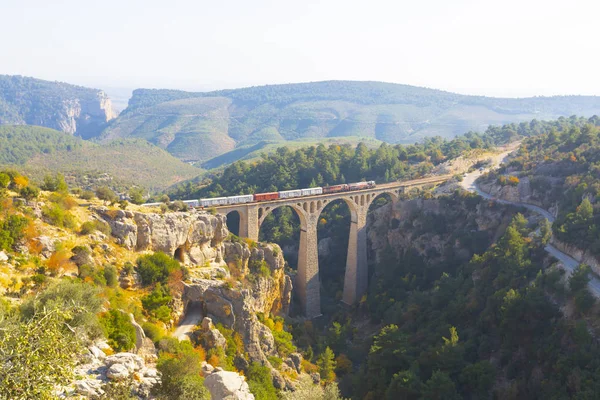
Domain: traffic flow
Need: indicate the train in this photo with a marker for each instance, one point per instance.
(269, 196)
(284, 194)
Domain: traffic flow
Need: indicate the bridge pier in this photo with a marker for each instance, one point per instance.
(356, 275)
(308, 286)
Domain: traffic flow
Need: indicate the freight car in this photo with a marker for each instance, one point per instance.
(266, 196)
(191, 203)
(246, 198)
(217, 201)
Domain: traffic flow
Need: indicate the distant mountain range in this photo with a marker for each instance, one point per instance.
(199, 126)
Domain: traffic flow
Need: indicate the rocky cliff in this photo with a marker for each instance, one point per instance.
(437, 229)
(232, 280)
(68, 108)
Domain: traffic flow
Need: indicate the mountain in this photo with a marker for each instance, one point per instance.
(119, 164)
(200, 126)
(72, 109)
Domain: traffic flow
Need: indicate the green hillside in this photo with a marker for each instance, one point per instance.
(119, 163)
(201, 126)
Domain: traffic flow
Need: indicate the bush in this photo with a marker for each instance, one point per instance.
(29, 192)
(87, 195)
(106, 194)
(260, 382)
(111, 275)
(12, 230)
(153, 331)
(156, 267)
(156, 303)
(119, 330)
(57, 216)
(89, 227)
(179, 364)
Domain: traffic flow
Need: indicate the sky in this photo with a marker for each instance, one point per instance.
(508, 48)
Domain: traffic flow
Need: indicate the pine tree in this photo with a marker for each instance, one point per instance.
(327, 365)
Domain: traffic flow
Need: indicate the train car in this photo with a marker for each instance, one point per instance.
(151, 204)
(266, 196)
(358, 186)
(312, 191)
(246, 198)
(288, 194)
(335, 188)
(191, 203)
(371, 184)
(217, 201)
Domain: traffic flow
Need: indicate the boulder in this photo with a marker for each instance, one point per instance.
(210, 336)
(46, 244)
(226, 385)
(132, 362)
(118, 372)
(3, 257)
(89, 387)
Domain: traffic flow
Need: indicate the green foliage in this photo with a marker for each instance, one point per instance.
(260, 382)
(326, 363)
(579, 279)
(153, 331)
(55, 183)
(4, 180)
(56, 215)
(29, 192)
(119, 330)
(105, 194)
(156, 267)
(111, 275)
(156, 303)
(89, 227)
(179, 365)
(12, 230)
(136, 195)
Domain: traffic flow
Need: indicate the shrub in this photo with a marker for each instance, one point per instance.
(156, 267)
(119, 330)
(95, 225)
(156, 303)
(57, 216)
(105, 194)
(153, 331)
(87, 195)
(12, 230)
(29, 192)
(260, 382)
(111, 275)
(179, 364)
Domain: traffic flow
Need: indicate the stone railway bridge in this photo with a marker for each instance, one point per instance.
(308, 209)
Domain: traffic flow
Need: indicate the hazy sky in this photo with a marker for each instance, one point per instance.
(496, 48)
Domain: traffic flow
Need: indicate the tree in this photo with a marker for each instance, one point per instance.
(55, 183)
(156, 267)
(105, 194)
(29, 192)
(136, 195)
(326, 363)
(579, 278)
(4, 180)
(585, 210)
(119, 330)
(440, 387)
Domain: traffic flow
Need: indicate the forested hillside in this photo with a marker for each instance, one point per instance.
(119, 164)
(200, 126)
(560, 169)
(57, 105)
(319, 165)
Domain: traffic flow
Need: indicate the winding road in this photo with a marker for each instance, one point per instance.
(569, 263)
(193, 316)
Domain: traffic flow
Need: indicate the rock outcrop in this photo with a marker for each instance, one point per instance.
(99, 370)
(194, 238)
(225, 385)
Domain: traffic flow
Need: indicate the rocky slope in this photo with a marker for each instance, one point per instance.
(68, 108)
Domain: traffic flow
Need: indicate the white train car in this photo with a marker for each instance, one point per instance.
(151, 204)
(288, 194)
(217, 201)
(191, 203)
(312, 191)
(246, 198)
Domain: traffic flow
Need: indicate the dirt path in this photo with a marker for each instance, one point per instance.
(193, 316)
